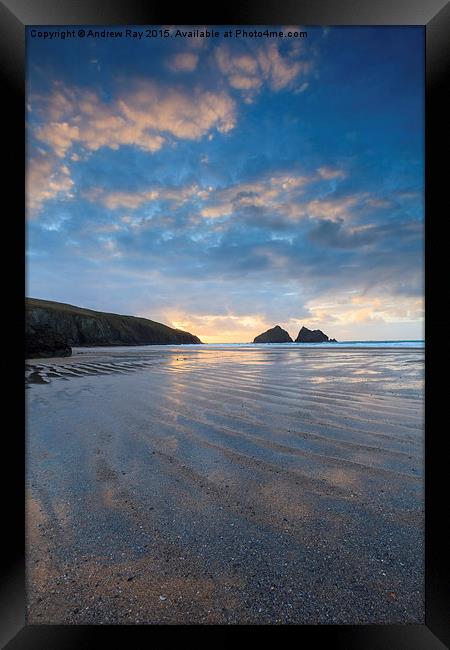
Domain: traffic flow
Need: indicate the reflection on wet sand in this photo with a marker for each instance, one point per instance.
(190, 485)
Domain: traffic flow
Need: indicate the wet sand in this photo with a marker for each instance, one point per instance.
(247, 485)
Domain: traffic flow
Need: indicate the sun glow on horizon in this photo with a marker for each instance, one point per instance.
(356, 318)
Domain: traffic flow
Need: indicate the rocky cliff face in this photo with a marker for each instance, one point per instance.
(312, 336)
(81, 327)
(40, 342)
(274, 335)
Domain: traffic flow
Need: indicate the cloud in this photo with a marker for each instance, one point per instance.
(328, 173)
(249, 70)
(333, 234)
(183, 62)
(379, 203)
(46, 178)
(301, 89)
(381, 310)
(333, 209)
(133, 200)
(280, 72)
(145, 116)
(245, 271)
(270, 191)
(60, 136)
(213, 328)
(218, 210)
(283, 195)
(274, 203)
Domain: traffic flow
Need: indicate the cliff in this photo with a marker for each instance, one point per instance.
(274, 335)
(313, 336)
(39, 343)
(85, 327)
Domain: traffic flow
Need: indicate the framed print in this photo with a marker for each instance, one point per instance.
(233, 246)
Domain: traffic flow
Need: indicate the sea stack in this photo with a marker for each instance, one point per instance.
(312, 336)
(274, 335)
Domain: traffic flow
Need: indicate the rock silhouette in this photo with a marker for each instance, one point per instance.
(274, 335)
(312, 336)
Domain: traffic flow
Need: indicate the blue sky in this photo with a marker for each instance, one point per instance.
(224, 186)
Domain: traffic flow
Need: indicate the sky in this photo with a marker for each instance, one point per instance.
(226, 185)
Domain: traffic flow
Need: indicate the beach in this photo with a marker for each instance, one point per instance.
(237, 485)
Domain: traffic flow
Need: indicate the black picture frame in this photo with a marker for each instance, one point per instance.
(434, 16)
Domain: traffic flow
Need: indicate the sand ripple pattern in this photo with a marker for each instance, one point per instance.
(43, 373)
(186, 485)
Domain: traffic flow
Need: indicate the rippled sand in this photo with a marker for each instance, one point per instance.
(197, 485)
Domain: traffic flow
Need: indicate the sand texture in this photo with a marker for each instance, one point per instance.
(247, 485)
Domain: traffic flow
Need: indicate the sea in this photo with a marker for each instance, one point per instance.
(414, 344)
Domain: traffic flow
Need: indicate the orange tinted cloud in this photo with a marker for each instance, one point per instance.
(220, 329)
(46, 178)
(364, 309)
(145, 116)
(328, 173)
(263, 65)
(333, 208)
(133, 200)
(183, 62)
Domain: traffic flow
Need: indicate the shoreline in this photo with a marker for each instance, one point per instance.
(365, 345)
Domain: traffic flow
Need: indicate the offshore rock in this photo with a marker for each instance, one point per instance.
(312, 336)
(274, 335)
